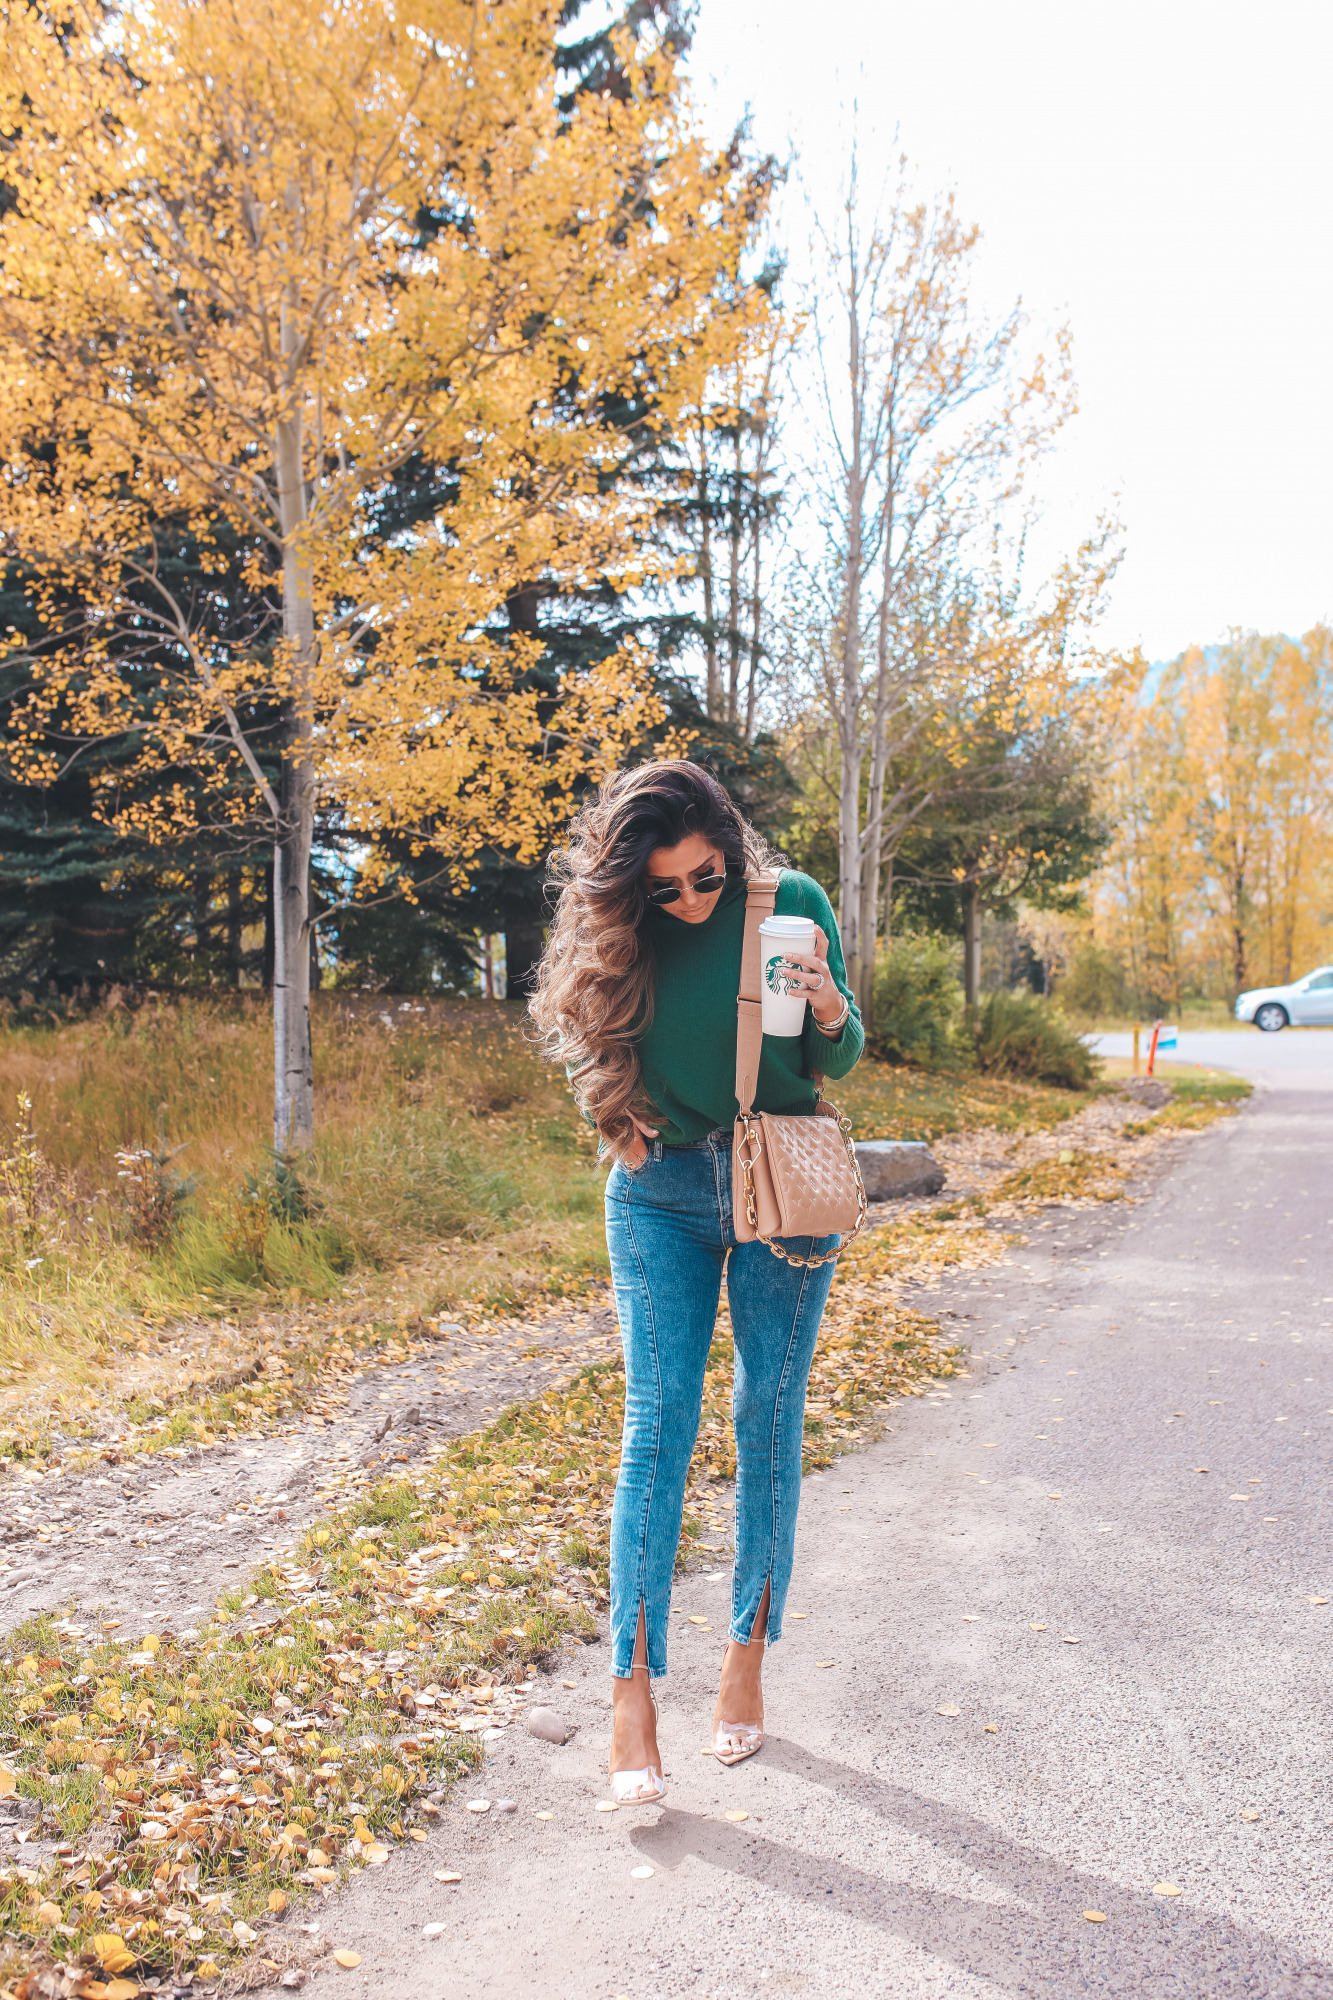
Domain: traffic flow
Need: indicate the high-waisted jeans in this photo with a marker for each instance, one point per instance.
(669, 1231)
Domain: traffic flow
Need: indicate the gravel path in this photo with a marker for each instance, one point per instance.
(1046, 1666)
(153, 1539)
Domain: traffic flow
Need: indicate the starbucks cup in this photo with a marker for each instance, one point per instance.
(783, 1012)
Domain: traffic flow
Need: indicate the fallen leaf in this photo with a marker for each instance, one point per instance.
(1316, 1600)
(971, 1618)
(1055, 1496)
(277, 1901)
(431, 1930)
(569, 1684)
(151, 1643)
(1036, 1628)
(798, 1614)
(48, 1914)
(1068, 1639)
(478, 1805)
(1240, 1496)
(697, 1621)
(544, 1815)
(606, 1805)
(120, 1989)
(991, 1728)
(825, 1663)
(641, 1874)
(113, 1954)
(1095, 1916)
(374, 1856)
(415, 1833)
(349, 1959)
(1250, 1812)
(1166, 1889)
(447, 1875)
(207, 1970)
(948, 1708)
(1201, 1468)
(8, 1782)
(736, 1814)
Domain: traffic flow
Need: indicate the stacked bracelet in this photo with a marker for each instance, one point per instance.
(834, 1028)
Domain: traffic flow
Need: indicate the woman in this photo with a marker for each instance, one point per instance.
(637, 995)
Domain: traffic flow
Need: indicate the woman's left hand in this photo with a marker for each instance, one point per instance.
(816, 981)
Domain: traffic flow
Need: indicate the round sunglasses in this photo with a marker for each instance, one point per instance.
(707, 885)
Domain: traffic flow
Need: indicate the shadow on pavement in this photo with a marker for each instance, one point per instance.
(1036, 1940)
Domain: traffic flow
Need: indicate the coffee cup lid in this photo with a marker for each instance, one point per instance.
(788, 926)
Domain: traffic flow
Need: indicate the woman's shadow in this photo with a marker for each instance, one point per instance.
(1032, 1937)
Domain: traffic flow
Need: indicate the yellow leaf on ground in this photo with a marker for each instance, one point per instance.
(415, 1833)
(449, 1874)
(948, 1708)
(1316, 1600)
(113, 1954)
(349, 1959)
(696, 1621)
(375, 1856)
(971, 1618)
(1250, 1812)
(1055, 1496)
(277, 1901)
(825, 1663)
(1036, 1628)
(8, 1782)
(545, 1815)
(1167, 1889)
(1095, 1916)
(798, 1614)
(48, 1914)
(606, 1805)
(991, 1728)
(150, 1643)
(736, 1814)
(121, 1989)
(569, 1684)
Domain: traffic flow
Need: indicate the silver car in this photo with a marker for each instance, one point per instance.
(1306, 1003)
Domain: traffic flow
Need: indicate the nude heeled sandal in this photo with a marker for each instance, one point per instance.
(733, 1742)
(639, 1788)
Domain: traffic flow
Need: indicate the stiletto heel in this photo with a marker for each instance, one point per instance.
(639, 1788)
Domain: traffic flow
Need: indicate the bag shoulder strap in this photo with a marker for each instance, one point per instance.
(760, 896)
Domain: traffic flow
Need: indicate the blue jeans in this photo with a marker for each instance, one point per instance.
(668, 1230)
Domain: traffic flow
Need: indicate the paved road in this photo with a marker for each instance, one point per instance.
(1049, 1663)
(1296, 1059)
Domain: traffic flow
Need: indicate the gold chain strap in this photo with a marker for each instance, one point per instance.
(748, 1159)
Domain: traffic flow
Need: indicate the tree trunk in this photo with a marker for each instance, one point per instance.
(713, 685)
(971, 946)
(735, 537)
(293, 1066)
(270, 942)
(849, 700)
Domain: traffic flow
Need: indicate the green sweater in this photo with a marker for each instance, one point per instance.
(688, 1050)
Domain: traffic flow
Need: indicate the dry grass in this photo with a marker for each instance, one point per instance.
(443, 1145)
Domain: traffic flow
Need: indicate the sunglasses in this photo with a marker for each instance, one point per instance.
(707, 885)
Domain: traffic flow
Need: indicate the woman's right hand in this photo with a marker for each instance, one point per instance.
(638, 1152)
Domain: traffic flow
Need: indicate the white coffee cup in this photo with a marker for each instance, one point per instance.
(783, 1012)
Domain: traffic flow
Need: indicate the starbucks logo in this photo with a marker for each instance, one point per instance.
(779, 981)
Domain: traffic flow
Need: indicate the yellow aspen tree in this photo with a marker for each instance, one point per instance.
(260, 260)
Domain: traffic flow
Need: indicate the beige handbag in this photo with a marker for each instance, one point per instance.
(789, 1176)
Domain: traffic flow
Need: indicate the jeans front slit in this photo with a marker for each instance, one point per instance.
(670, 1236)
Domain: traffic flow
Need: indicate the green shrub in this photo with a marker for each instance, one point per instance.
(1021, 1035)
(918, 1000)
(1094, 985)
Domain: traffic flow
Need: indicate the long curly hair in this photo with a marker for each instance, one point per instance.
(593, 995)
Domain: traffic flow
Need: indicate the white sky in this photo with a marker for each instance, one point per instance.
(1161, 175)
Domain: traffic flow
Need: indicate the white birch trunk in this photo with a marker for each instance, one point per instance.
(293, 1065)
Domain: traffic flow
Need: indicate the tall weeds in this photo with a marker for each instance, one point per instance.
(440, 1135)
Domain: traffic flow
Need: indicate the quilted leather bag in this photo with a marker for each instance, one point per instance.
(789, 1176)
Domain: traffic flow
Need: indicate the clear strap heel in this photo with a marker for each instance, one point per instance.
(733, 1742)
(645, 1787)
